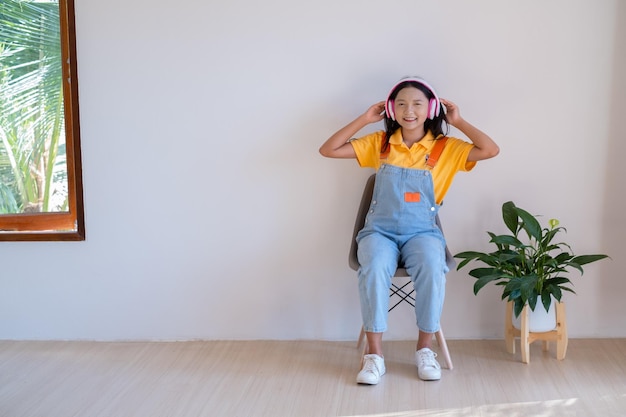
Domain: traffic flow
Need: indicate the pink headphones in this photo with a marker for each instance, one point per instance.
(434, 105)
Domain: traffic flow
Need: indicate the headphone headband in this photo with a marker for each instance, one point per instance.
(434, 104)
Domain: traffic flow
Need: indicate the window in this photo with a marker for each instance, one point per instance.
(41, 194)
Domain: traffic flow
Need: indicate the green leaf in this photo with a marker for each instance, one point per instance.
(483, 272)
(556, 281)
(528, 288)
(549, 236)
(546, 300)
(507, 240)
(510, 256)
(563, 257)
(484, 280)
(513, 295)
(463, 263)
(509, 215)
(530, 224)
(468, 254)
(532, 301)
(552, 290)
(475, 256)
(587, 259)
(518, 306)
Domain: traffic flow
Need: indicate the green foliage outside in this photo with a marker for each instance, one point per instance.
(33, 172)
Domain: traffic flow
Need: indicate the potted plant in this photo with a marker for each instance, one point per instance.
(527, 263)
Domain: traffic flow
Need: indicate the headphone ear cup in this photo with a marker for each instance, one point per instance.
(389, 110)
(432, 108)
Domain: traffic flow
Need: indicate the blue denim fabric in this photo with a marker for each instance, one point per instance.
(398, 232)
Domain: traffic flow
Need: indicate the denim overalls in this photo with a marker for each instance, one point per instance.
(400, 228)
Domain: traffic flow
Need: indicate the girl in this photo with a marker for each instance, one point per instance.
(400, 226)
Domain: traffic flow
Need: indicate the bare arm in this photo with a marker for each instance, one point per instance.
(337, 146)
(484, 146)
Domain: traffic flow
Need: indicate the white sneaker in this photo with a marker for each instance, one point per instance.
(428, 369)
(373, 369)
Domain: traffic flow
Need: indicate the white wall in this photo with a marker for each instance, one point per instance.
(211, 215)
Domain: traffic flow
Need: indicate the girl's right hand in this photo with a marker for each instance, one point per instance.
(375, 113)
(339, 146)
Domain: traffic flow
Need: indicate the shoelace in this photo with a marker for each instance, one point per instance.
(370, 365)
(427, 359)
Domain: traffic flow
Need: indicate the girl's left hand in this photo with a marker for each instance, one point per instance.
(453, 114)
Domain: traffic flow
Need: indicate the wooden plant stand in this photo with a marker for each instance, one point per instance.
(559, 335)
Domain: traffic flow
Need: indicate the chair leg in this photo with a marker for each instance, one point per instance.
(441, 340)
(361, 338)
(363, 341)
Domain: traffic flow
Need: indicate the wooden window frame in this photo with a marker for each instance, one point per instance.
(70, 225)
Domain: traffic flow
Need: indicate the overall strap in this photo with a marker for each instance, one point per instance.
(435, 153)
(384, 155)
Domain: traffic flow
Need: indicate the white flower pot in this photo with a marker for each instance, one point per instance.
(539, 320)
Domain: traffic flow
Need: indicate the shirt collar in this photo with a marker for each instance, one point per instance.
(427, 142)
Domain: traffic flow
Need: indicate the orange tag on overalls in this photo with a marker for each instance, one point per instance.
(412, 197)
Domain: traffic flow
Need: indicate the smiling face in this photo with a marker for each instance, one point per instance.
(411, 108)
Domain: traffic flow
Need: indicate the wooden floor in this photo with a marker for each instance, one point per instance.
(304, 378)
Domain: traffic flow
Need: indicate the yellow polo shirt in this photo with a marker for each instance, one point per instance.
(452, 160)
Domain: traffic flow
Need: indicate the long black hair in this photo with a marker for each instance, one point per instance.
(436, 125)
